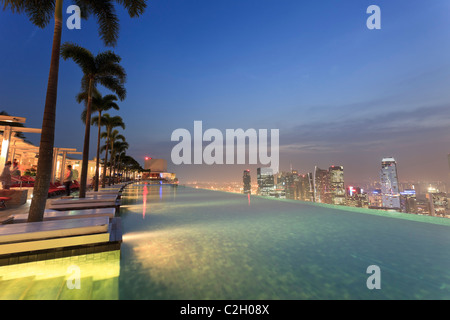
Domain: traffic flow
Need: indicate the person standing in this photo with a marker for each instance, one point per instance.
(68, 179)
(5, 177)
(15, 172)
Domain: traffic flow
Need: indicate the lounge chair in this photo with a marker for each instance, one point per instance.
(3, 201)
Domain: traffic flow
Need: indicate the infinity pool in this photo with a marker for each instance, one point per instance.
(184, 243)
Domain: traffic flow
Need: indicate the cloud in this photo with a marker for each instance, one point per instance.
(416, 126)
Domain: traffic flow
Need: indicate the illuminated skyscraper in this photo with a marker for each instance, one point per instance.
(247, 182)
(389, 184)
(265, 179)
(336, 182)
(321, 185)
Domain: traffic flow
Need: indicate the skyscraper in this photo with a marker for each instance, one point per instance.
(321, 185)
(247, 182)
(389, 184)
(265, 179)
(336, 182)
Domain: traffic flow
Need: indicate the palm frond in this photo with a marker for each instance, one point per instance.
(135, 7)
(115, 85)
(107, 20)
(40, 12)
(81, 56)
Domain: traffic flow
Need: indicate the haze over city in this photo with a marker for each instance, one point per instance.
(339, 93)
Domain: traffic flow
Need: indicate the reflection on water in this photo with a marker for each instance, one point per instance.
(144, 201)
(201, 244)
(98, 276)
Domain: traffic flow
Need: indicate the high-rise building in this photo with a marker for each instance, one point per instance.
(265, 179)
(389, 184)
(247, 182)
(408, 201)
(439, 205)
(375, 199)
(310, 186)
(336, 184)
(356, 197)
(288, 182)
(321, 185)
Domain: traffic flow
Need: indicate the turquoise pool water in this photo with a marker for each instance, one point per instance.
(184, 243)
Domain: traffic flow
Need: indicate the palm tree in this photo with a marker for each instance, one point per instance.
(114, 137)
(131, 165)
(110, 123)
(101, 69)
(100, 104)
(118, 147)
(120, 161)
(40, 13)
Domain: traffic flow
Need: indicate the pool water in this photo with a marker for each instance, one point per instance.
(185, 243)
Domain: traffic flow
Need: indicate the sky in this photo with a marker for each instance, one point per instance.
(339, 93)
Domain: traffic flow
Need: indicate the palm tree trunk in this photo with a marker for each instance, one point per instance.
(106, 160)
(85, 164)
(118, 168)
(111, 164)
(44, 172)
(97, 164)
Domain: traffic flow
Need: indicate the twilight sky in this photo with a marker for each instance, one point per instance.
(338, 92)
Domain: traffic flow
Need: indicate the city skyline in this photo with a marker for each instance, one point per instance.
(340, 94)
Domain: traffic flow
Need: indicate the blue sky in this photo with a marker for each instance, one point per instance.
(339, 92)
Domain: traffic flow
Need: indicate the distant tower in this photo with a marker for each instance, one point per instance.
(389, 184)
(247, 182)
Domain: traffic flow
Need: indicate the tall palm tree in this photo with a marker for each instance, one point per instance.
(118, 147)
(110, 123)
(40, 13)
(114, 137)
(131, 165)
(100, 104)
(101, 69)
(120, 161)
